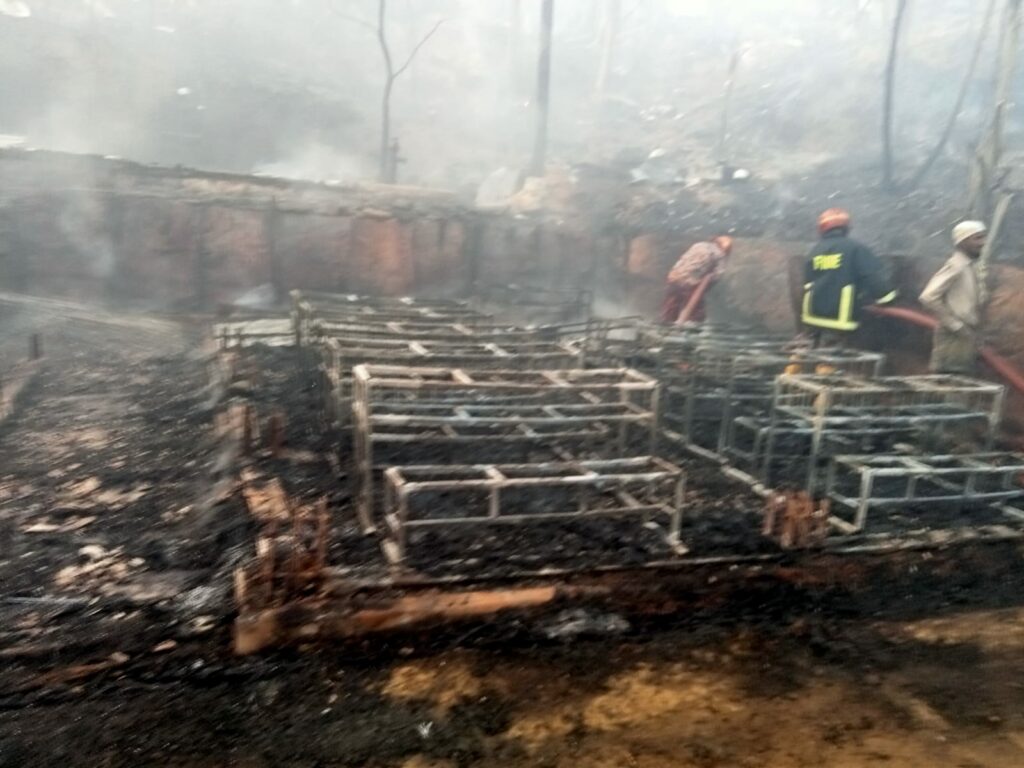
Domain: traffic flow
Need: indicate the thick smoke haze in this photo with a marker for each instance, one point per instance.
(294, 87)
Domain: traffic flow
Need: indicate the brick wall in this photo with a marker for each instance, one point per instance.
(106, 229)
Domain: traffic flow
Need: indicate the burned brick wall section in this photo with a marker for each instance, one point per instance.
(103, 229)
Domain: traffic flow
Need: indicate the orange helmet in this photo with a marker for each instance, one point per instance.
(833, 218)
(724, 242)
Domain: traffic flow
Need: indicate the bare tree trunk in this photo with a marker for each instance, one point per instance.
(384, 171)
(543, 98)
(995, 230)
(1007, 71)
(990, 151)
(387, 169)
(609, 38)
(960, 98)
(890, 81)
(389, 83)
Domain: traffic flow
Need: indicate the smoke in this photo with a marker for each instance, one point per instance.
(261, 297)
(318, 162)
(16, 9)
(295, 88)
(83, 225)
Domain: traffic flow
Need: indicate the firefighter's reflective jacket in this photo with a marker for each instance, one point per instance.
(840, 277)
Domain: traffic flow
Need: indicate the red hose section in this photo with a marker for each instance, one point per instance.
(911, 316)
(1007, 370)
(695, 299)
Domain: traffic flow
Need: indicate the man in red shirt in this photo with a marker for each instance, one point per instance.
(701, 261)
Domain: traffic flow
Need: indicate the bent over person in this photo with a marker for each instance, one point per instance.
(700, 261)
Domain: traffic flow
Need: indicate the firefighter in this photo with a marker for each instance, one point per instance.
(700, 261)
(956, 296)
(841, 276)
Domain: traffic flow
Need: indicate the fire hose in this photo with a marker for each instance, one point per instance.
(999, 364)
(694, 302)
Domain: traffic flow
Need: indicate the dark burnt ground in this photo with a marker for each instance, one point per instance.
(111, 533)
(134, 416)
(776, 645)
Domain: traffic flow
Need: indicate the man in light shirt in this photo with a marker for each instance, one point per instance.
(956, 296)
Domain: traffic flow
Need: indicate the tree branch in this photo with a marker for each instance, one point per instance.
(960, 98)
(419, 45)
(353, 19)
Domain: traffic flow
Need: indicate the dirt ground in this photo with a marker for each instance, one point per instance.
(115, 547)
(937, 692)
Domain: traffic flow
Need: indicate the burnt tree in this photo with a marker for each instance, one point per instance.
(985, 172)
(387, 169)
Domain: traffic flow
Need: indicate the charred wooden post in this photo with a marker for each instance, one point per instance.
(796, 521)
(275, 433)
(248, 429)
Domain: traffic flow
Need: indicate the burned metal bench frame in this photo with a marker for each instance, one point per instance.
(749, 383)
(458, 331)
(276, 330)
(502, 407)
(749, 455)
(692, 335)
(311, 308)
(958, 475)
(340, 356)
(716, 381)
(611, 478)
(566, 301)
(653, 346)
(332, 299)
(751, 459)
(855, 405)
